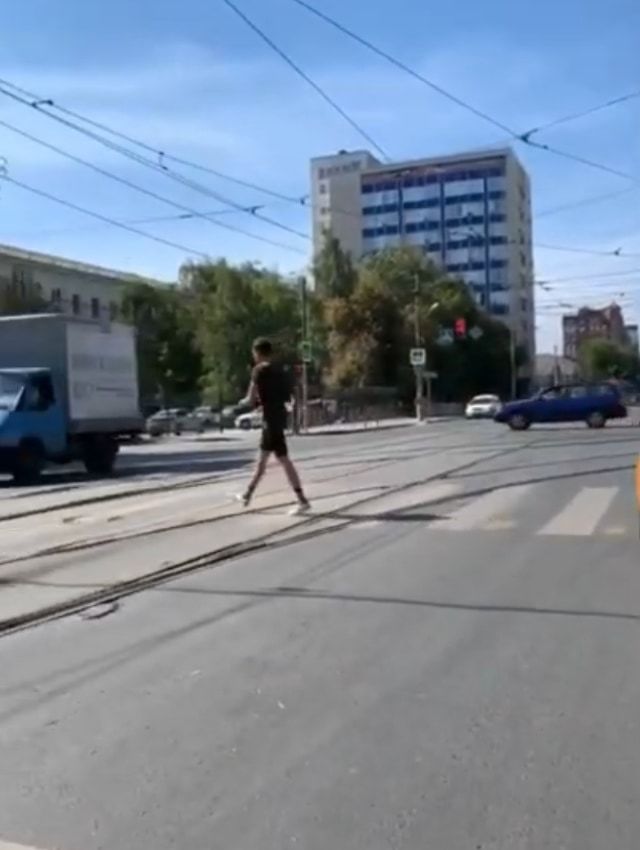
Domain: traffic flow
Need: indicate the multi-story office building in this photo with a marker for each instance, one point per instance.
(470, 212)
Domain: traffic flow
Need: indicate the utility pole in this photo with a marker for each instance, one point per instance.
(417, 343)
(304, 352)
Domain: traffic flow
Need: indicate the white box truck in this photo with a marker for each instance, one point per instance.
(68, 391)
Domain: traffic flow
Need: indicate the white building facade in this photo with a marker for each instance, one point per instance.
(470, 213)
(66, 286)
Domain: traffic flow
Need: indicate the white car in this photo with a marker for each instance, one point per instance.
(247, 421)
(482, 407)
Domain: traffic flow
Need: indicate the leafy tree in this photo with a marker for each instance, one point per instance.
(603, 358)
(15, 303)
(233, 306)
(400, 293)
(168, 358)
(333, 271)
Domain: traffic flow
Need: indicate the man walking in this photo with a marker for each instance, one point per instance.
(270, 389)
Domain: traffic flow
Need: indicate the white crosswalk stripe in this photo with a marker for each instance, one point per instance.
(7, 845)
(580, 517)
(584, 513)
(486, 512)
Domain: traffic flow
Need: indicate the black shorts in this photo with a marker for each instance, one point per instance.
(273, 440)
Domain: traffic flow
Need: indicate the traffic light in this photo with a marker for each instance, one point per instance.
(460, 328)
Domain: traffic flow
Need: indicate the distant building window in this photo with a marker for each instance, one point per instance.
(95, 308)
(321, 173)
(75, 305)
(322, 188)
(113, 310)
(56, 299)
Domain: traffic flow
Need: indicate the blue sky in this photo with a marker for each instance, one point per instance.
(191, 79)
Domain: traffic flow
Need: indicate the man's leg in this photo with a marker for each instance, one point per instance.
(258, 473)
(281, 452)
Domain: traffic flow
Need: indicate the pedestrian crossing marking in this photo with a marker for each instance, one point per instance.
(615, 530)
(485, 510)
(499, 524)
(580, 517)
(7, 845)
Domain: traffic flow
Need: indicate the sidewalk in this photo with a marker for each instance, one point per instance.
(376, 425)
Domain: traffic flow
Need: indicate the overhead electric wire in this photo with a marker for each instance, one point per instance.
(514, 134)
(106, 219)
(37, 102)
(147, 220)
(158, 166)
(575, 116)
(309, 80)
(584, 202)
(618, 252)
(142, 190)
(404, 67)
(592, 276)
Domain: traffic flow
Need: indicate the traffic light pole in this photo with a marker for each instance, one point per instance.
(305, 372)
(417, 340)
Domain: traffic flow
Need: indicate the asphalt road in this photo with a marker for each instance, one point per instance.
(454, 668)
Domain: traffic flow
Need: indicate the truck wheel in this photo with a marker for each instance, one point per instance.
(100, 455)
(29, 463)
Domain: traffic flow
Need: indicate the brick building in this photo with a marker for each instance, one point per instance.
(590, 323)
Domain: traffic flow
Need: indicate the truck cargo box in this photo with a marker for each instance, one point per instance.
(94, 368)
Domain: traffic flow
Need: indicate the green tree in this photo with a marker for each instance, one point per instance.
(334, 273)
(602, 358)
(233, 306)
(399, 295)
(169, 361)
(15, 303)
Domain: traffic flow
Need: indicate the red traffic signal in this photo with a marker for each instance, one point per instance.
(460, 327)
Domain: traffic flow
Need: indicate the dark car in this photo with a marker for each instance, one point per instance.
(590, 403)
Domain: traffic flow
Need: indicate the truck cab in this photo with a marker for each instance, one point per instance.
(32, 422)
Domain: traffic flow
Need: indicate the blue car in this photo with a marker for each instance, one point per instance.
(590, 403)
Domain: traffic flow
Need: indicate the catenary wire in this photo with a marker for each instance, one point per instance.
(106, 219)
(142, 190)
(157, 165)
(309, 80)
(514, 134)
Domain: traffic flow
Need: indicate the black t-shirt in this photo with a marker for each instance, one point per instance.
(274, 391)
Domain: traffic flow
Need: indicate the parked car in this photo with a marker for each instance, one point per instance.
(482, 407)
(590, 403)
(247, 421)
(230, 414)
(209, 417)
(176, 420)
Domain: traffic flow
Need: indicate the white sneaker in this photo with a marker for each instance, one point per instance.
(243, 499)
(300, 509)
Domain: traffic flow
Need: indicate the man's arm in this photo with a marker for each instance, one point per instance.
(252, 397)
